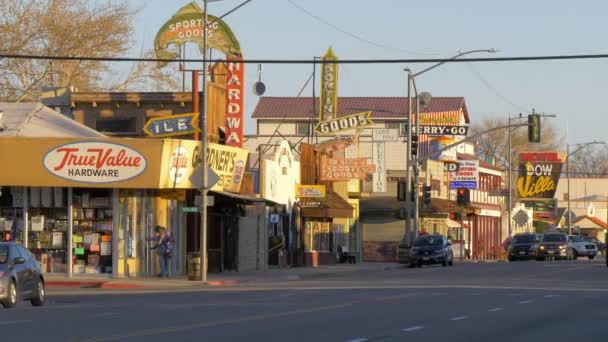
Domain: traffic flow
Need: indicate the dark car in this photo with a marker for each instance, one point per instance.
(431, 249)
(552, 245)
(20, 276)
(522, 247)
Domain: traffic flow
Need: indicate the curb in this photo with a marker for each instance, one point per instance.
(92, 285)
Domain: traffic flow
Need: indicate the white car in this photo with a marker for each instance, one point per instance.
(577, 246)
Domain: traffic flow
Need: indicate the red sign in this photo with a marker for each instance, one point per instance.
(345, 169)
(548, 157)
(94, 162)
(235, 87)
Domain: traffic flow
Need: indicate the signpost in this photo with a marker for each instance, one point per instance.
(172, 125)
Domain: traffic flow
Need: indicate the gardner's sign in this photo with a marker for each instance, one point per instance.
(539, 174)
(229, 164)
(94, 162)
(344, 123)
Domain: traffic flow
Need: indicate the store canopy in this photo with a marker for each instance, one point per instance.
(38, 120)
(331, 206)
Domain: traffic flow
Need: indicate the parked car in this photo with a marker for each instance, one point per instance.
(522, 247)
(20, 276)
(552, 245)
(431, 249)
(601, 246)
(578, 246)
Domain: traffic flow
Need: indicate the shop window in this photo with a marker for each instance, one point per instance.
(302, 128)
(317, 236)
(11, 214)
(92, 234)
(123, 125)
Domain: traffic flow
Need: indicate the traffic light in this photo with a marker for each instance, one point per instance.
(455, 217)
(463, 196)
(401, 191)
(534, 128)
(426, 197)
(414, 146)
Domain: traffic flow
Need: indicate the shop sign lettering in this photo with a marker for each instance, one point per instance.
(442, 130)
(178, 165)
(466, 176)
(538, 180)
(345, 123)
(345, 169)
(329, 87)
(227, 162)
(234, 106)
(310, 190)
(94, 162)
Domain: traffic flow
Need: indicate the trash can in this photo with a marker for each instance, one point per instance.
(194, 266)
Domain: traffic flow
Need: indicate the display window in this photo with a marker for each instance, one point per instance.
(11, 214)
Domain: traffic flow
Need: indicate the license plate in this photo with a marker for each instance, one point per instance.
(551, 252)
(426, 258)
(522, 253)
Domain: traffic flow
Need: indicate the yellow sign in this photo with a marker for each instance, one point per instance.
(317, 191)
(229, 164)
(175, 194)
(329, 87)
(439, 120)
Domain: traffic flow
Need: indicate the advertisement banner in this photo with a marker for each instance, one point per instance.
(317, 191)
(539, 173)
(101, 163)
(329, 87)
(235, 83)
(345, 169)
(229, 164)
(379, 177)
(467, 175)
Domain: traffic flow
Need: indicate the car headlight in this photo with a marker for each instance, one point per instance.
(562, 247)
(542, 247)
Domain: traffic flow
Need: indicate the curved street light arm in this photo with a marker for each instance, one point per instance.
(449, 59)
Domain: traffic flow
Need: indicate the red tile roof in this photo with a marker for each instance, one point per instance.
(595, 220)
(381, 107)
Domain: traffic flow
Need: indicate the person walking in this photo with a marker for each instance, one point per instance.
(164, 249)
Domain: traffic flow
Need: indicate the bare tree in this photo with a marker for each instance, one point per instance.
(64, 28)
(590, 162)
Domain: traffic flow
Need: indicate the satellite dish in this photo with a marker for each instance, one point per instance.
(259, 88)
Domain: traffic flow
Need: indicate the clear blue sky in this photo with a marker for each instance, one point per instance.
(575, 90)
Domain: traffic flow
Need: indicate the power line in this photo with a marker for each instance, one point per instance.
(309, 61)
(482, 79)
(357, 37)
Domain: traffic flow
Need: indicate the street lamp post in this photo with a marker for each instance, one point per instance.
(568, 154)
(408, 156)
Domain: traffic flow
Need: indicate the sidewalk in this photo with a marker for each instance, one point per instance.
(214, 279)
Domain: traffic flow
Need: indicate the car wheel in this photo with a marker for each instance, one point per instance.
(574, 254)
(40, 295)
(444, 262)
(451, 262)
(591, 257)
(539, 259)
(411, 265)
(11, 296)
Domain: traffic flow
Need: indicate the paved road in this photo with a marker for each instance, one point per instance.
(523, 301)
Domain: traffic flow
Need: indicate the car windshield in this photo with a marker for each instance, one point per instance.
(554, 238)
(3, 254)
(524, 239)
(423, 241)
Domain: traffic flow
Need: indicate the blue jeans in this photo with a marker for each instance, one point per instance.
(164, 265)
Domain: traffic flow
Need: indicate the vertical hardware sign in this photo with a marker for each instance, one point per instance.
(329, 87)
(234, 105)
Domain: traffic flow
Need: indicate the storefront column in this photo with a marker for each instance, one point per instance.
(70, 227)
(115, 229)
(26, 219)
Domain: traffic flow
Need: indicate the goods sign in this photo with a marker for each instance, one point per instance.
(385, 134)
(379, 176)
(178, 165)
(329, 87)
(235, 86)
(229, 164)
(310, 190)
(539, 174)
(345, 169)
(172, 125)
(467, 175)
(344, 123)
(442, 130)
(94, 162)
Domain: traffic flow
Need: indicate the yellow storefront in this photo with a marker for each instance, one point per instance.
(89, 205)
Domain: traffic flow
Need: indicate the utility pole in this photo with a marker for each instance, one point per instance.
(203, 127)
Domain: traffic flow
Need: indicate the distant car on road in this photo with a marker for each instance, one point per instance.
(578, 246)
(522, 246)
(601, 247)
(431, 249)
(20, 276)
(552, 245)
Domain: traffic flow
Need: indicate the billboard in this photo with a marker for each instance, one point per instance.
(345, 169)
(467, 175)
(539, 173)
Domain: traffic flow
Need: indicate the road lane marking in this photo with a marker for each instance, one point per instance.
(286, 294)
(104, 314)
(408, 295)
(514, 295)
(495, 309)
(525, 302)
(15, 322)
(458, 318)
(439, 293)
(414, 328)
(550, 296)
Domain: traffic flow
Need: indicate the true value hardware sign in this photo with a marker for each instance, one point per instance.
(329, 122)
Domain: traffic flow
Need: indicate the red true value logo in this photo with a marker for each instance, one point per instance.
(99, 158)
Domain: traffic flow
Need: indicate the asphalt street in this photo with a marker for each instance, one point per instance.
(522, 301)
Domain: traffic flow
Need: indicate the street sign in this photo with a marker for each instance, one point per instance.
(274, 218)
(442, 130)
(212, 178)
(499, 192)
(172, 125)
(191, 209)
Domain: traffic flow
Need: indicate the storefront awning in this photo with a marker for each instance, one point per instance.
(244, 198)
(331, 206)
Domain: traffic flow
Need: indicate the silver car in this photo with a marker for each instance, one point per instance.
(20, 276)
